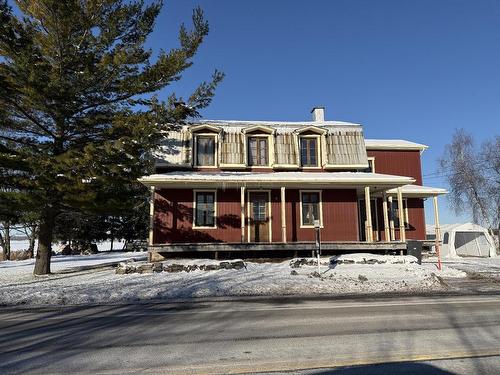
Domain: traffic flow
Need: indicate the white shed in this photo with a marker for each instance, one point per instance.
(464, 240)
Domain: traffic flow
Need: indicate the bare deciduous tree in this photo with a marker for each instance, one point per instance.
(474, 178)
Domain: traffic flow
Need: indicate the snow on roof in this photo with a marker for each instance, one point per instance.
(419, 191)
(393, 144)
(244, 123)
(463, 227)
(341, 178)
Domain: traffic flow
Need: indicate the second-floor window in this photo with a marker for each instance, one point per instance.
(309, 152)
(205, 150)
(258, 151)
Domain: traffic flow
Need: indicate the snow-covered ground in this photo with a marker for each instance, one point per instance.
(470, 264)
(13, 272)
(17, 245)
(18, 286)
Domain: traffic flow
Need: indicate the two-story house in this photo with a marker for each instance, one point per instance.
(264, 185)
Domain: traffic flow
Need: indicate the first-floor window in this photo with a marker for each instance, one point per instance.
(204, 215)
(395, 213)
(310, 207)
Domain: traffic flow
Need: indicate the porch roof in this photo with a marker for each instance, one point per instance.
(417, 191)
(276, 179)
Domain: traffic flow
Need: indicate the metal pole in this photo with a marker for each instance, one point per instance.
(317, 226)
(438, 230)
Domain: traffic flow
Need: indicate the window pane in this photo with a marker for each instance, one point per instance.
(205, 149)
(303, 152)
(312, 152)
(263, 151)
(308, 152)
(310, 208)
(252, 151)
(259, 210)
(257, 151)
(205, 209)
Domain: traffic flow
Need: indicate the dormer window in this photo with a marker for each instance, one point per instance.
(258, 151)
(309, 151)
(205, 150)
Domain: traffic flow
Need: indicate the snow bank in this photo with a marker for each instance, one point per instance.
(366, 258)
(258, 279)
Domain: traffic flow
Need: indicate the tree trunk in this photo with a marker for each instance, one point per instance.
(31, 248)
(5, 241)
(44, 251)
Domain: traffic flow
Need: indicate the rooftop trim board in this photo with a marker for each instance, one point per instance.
(393, 144)
(277, 177)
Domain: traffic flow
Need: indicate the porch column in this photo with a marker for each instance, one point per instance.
(242, 207)
(438, 230)
(283, 215)
(151, 215)
(402, 233)
(387, 232)
(391, 220)
(368, 210)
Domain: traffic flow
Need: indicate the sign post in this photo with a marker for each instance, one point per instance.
(317, 228)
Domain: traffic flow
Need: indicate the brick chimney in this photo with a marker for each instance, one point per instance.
(318, 114)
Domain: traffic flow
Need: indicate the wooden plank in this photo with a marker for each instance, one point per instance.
(250, 246)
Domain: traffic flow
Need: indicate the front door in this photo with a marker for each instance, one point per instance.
(259, 216)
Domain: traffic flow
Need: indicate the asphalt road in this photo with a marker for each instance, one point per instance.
(256, 335)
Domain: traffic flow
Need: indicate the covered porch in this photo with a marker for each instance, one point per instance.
(270, 204)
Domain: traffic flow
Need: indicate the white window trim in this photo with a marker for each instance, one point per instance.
(270, 150)
(372, 158)
(269, 213)
(216, 150)
(318, 150)
(302, 225)
(195, 191)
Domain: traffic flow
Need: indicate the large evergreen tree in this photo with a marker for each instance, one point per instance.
(78, 112)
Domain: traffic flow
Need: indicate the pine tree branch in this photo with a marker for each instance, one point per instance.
(30, 117)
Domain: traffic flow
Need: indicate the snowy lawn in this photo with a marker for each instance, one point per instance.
(12, 272)
(17, 286)
(471, 265)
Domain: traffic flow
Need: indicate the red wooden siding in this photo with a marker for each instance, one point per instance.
(400, 163)
(173, 217)
(340, 216)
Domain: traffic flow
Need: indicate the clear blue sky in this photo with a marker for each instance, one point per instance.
(414, 70)
(406, 69)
